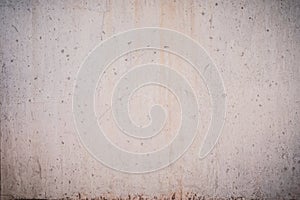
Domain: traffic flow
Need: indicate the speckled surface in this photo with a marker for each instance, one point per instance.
(254, 44)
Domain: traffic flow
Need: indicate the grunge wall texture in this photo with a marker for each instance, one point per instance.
(254, 44)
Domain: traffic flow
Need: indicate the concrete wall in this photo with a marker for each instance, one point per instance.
(254, 44)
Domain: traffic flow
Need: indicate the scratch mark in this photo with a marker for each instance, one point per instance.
(15, 28)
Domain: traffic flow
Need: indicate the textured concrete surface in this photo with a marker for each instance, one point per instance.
(254, 44)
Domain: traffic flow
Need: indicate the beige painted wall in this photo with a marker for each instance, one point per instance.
(254, 44)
